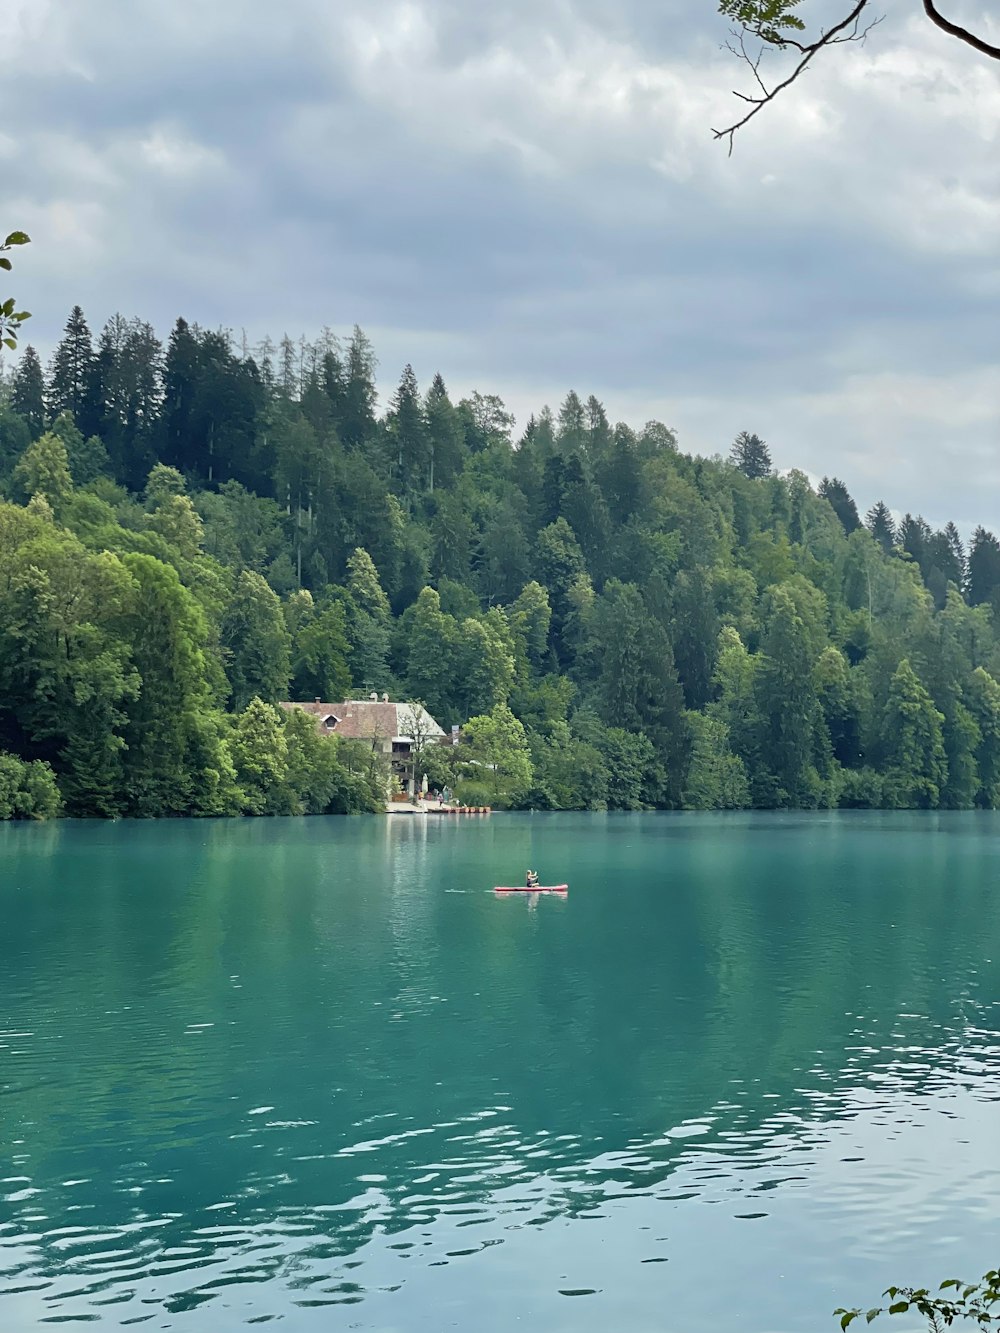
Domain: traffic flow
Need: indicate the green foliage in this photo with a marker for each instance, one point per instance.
(260, 754)
(44, 470)
(320, 652)
(626, 626)
(749, 453)
(914, 743)
(27, 790)
(11, 318)
(976, 1302)
(258, 644)
(716, 778)
(498, 744)
(771, 20)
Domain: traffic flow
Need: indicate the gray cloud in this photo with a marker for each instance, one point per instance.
(526, 196)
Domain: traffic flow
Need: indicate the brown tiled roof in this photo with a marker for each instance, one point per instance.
(364, 719)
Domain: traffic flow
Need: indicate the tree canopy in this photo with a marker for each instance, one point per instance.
(195, 532)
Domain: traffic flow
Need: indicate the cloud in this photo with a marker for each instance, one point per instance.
(527, 197)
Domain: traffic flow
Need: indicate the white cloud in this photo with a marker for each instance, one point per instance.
(527, 196)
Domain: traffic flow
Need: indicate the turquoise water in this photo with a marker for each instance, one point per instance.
(314, 1072)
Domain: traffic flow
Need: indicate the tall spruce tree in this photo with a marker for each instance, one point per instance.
(357, 426)
(984, 567)
(880, 524)
(751, 456)
(833, 490)
(72, 386)
(408, 442)
(27, 396)
(444, 436)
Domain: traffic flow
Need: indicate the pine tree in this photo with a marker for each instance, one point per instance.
(833, 490)
(620, 477)
(446, 444)
(598, 429)
(957, 548)
(71, 375)
(407, 428)
(879, 523)
(638, 685)
(750, 456)
(180, 378)
(559, 563)
(914, 534)
(358, 413)
(984, 567)
(28, 391)
(369, 623)
(572, 431)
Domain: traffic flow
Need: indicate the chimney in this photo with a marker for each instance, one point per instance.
(318, 699)
(374, 697)
(385, 698)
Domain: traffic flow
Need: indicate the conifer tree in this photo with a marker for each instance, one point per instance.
(369, 623)
(180, 377)
(72, 387)
(444, 436)
(833, 490)
(880, 524)
(751, 456)
(409, 444)
(28, 391)
(358, 412)
(984, 567)
(572, 429)
(957, 548)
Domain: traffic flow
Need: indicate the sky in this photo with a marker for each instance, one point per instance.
(527, 196)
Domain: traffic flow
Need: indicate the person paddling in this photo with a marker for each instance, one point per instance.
(531, 880)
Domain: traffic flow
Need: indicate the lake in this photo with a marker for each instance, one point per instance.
(314, 1072)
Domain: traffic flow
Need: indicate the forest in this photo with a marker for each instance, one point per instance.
(191, 533)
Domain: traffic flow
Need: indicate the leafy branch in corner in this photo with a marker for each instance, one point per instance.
(11, 318)
(774, 23)
(976, 1301)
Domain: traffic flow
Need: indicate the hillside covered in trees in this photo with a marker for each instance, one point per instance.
(191, 533)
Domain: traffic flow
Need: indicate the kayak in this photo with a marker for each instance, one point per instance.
(539, 888)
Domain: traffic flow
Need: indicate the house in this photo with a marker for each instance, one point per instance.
(392, 728)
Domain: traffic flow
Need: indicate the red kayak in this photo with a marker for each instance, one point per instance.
(540, 888)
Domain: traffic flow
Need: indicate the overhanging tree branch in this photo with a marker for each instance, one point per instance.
(963, 34)
(770, 22)
(847, 30)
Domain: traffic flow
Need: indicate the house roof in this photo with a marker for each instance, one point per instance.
(364, 719)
